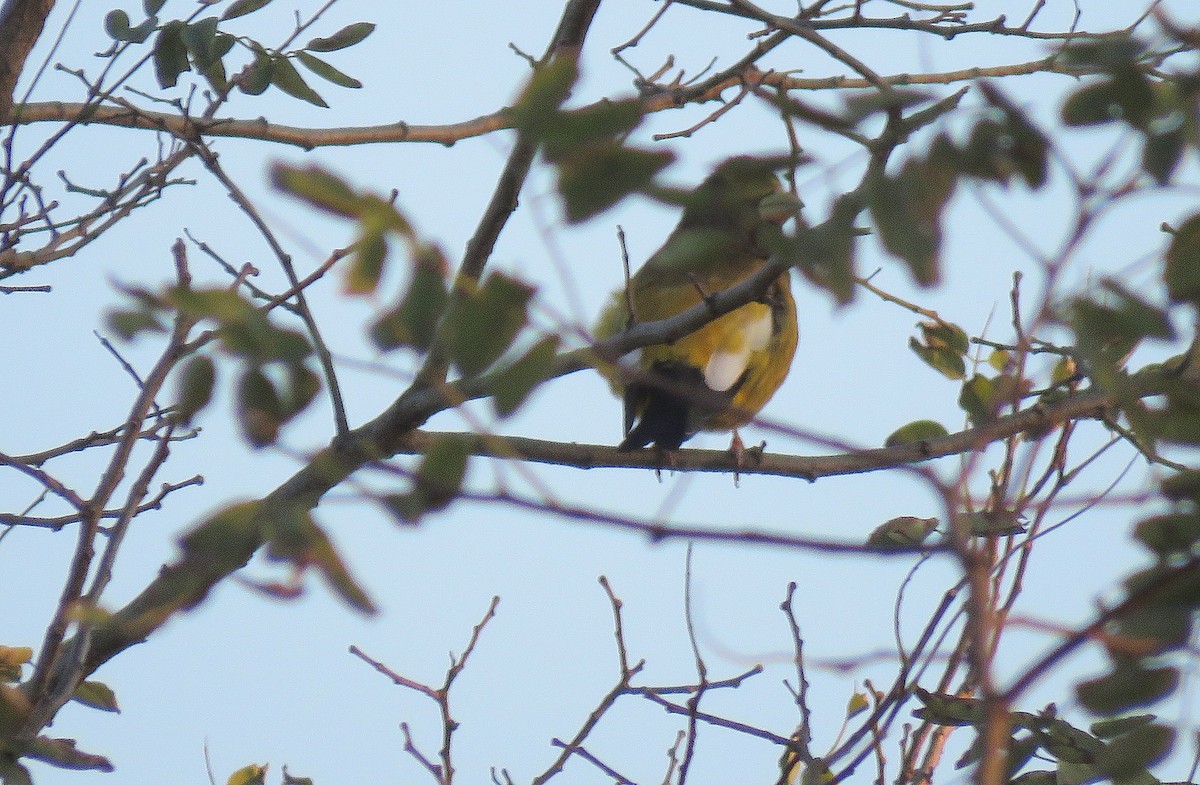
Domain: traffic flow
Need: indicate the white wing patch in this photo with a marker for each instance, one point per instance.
(728, 363)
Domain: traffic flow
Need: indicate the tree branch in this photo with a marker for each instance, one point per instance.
(659, 99)
(21, 23)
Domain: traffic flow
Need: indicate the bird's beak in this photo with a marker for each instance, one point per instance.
(779, 206)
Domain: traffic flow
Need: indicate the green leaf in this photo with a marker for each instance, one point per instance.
(248, 775)
(1127, 687)
(13, 773)
(942, 709)
(260, 411)
(1077, 773)
(994, 523)
(301, 387)
(902, 534)
(907, 211)
(944, 335)
(285, 76)
(128, 324)
(1107, 729)
(978, 399)
(597, 177)
(568, 132)
(257, 77)
(261, 341)
(65, 755)
(366, 266)
(220, 305)
(943, 346)
(242, 328)
(116, 24)
(152, 7)
(1107, 331)
(946, 361)
(1110, 54)
(825, 254)
(201, 40)
(11, 660)
(1067, 743)
(548, 88)
(1093, 104)
(516, 381)
(1134, 317)
(227, 540)
(1171, 533)
(242, 7)
(170, 54)
(1134, 752)
(293, 536)
(216, 76)
(414, 321)
(319, 187)
(442, 472)
(1064, 371)
(346, 37)
(435, 484)
(1183, 485)
(195, 387)
(289, 779)
(327, 71)
(866, 103)
(998, 149)
(1162, 153)
(1182, 274)
(96, 695)
(916, 431)
(857, 704)
(481, 325)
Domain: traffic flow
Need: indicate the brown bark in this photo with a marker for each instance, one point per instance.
(21, 22)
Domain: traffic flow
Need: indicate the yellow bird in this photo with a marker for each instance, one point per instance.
(719, 377)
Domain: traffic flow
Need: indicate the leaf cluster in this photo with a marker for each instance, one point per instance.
(203, 45)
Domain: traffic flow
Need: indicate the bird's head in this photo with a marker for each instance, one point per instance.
(740, 194)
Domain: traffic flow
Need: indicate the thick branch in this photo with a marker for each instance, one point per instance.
(21, 23)
(1092, 403)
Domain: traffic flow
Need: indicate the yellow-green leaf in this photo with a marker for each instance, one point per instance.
(595, 178)
(994, 523)
(902, 533)
(170, 54)
(285, 76)
(242, 7)
(64, 754)
(1182, 274)
(195, 387)
(97, 695)
(327, 71)
(414, 321)
(249, 775)
(917, 431)
(518, 379)
(11, 660)
(346, 37)
(857, 704)
(481, 325)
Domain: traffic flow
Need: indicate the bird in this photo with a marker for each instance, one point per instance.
(720, 376)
